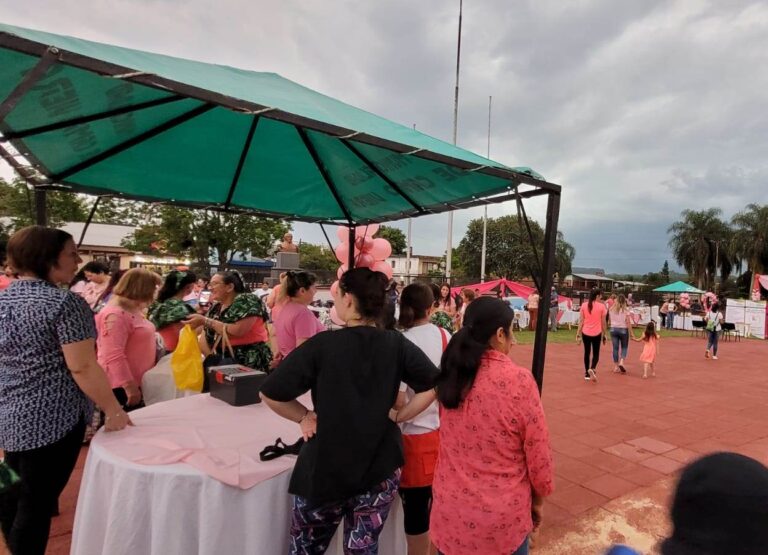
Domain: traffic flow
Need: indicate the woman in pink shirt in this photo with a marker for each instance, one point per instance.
(126, 339)
(592, 328)
(495, 461)
(295, 323)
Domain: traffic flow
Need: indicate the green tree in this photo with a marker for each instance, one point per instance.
(120, 211)
(700, 243)
(509, 252)
(202, 234)
(317, 257)
(665, 273)
(395, 236)
(17, 202)
(750, 237)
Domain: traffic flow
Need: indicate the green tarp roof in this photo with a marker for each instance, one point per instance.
(103, 119)
(678, 287)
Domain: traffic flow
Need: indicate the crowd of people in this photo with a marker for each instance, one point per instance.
(430, 408)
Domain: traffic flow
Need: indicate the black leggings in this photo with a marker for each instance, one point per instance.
(26, 509)
(417, 504)
(591, 342)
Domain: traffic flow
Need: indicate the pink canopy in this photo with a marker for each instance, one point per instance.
(505, 285)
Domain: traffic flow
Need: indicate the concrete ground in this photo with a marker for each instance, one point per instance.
(620, 443)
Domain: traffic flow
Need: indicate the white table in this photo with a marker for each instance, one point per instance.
(125, 508)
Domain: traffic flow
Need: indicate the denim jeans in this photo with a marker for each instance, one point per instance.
(670, 320)
(712, 341)
(619, 337)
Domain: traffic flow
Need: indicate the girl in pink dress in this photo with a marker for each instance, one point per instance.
(650, 349)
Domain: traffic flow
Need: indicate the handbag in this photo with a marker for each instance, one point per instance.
(187, 361)
(218, 358)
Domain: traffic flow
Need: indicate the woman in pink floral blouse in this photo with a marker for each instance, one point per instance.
(495, 462)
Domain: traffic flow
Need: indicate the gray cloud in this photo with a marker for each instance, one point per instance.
(639, 109)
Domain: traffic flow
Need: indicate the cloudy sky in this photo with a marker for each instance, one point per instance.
(639, 109)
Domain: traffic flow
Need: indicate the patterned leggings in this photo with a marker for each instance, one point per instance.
(313, 526)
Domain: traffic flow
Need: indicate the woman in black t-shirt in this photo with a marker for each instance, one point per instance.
(349, 466)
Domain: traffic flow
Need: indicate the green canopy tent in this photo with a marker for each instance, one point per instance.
(678, 287)
(103, 120)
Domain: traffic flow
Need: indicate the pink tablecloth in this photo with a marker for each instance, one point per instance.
(210, 435)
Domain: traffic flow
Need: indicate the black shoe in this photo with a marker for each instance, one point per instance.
(623, 370)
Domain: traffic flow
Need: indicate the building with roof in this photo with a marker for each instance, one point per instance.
(420, 266)
(585, 282)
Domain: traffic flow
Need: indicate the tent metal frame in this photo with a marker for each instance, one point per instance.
(42, 179)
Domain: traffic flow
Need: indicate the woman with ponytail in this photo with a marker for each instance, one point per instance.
(592, 327)
(169, 311)
(295, 323)
(349, 467)
(420, 435)
(495, 463)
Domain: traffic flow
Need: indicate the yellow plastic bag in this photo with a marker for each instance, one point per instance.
(187, 362)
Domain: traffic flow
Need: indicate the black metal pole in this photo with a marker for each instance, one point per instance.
(88, 221)
(548, 268)
(351, 256)
(41, 210)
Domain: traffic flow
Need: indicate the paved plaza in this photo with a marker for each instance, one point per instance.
(619, 444)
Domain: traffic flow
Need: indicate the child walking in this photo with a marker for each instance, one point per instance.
(650, 349)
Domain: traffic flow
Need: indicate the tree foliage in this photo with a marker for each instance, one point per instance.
(750, 237)
(701, 243)
(17, 202)
(509, 252)
(318, 258)
(119, 211)
(395, 236)
(202, 234)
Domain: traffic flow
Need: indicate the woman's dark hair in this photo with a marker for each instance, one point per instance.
(593, 295)
(79, 276)
(175, 281)
(36, 249)
(715, 308)
(113, 279)
(295, 280)
(435, 293)
(233, 278)
(415, 302)
(369, 289)
(95, 267)
(461, 358)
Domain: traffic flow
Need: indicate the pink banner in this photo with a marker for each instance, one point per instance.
(506, 286)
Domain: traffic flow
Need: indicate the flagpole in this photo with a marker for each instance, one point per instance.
(449, 249)
(485, 208)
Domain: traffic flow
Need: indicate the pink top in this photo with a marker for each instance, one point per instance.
(650, 348)
(592, 322)
(125, 344)
(92, 291)
(294, 322)
(5, 281)
(493, 449)
(618, 318)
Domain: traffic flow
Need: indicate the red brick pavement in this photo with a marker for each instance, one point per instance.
(622, 439)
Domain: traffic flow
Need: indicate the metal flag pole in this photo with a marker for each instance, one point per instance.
(449, 250)
(408, 249)
(485, 208)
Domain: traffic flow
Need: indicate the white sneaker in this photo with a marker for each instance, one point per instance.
(586, 378)
(593, 375)
(714, 357)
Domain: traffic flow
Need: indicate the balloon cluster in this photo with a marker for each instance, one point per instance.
(369, 253)
(685, 301)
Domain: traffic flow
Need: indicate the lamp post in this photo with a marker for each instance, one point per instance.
(449, 249)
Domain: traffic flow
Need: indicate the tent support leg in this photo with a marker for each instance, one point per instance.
(351, 259)
(88, 221)
(548, 268)
(41, 209)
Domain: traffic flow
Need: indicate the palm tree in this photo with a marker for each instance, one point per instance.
(701, 243)
(750, 237)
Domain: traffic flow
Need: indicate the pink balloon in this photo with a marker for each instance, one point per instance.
(340, 272)
(342, 252)
(366, 230)
(364, 244)
(342, 232)
(335, 317)
(365, 260)
(383, 267)
(334, 288)
(381, 249)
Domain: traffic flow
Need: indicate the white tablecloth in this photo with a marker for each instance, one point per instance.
(125, 508)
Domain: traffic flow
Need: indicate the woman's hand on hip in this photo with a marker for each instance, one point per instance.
(308, 425)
